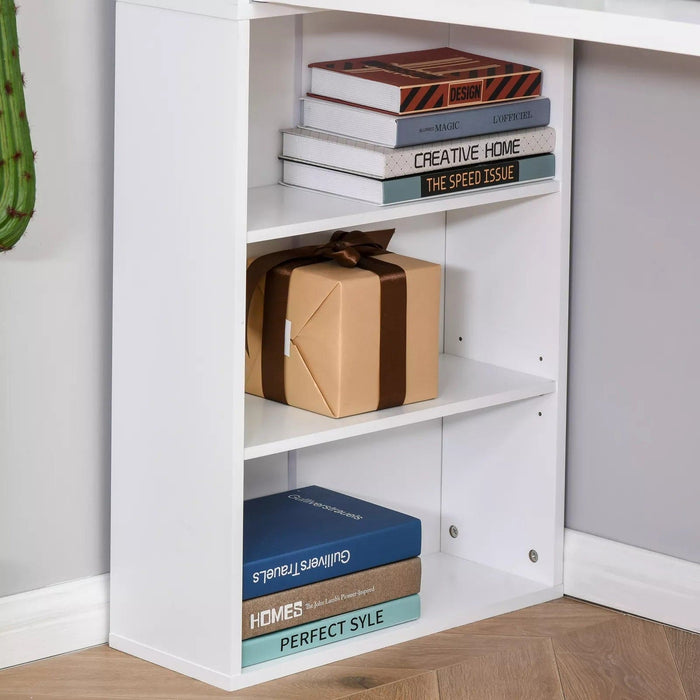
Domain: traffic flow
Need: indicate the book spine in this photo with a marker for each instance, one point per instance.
(459, 93)
(334, 596)
(332, 629)
(332, 559)
(477, 149)
(470, 177)
(443, 126)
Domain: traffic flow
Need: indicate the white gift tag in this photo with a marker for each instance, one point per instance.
(287, 337)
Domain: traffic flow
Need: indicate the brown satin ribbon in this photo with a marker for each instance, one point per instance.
(349, 249)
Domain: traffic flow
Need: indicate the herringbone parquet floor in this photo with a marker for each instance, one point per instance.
(563, 649)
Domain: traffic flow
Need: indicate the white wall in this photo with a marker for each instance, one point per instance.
(55, 307)
(634, 443)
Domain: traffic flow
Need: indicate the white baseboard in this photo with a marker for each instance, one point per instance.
(54, 620)
(638, 581)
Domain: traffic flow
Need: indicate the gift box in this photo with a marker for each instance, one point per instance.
(343, 328)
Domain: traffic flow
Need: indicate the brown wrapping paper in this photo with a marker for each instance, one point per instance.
(333, 363)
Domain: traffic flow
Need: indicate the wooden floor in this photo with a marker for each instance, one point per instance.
(563, 649)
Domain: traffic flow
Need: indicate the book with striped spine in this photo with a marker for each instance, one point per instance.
(420, 81)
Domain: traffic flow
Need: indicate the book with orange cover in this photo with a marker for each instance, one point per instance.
(421, 81)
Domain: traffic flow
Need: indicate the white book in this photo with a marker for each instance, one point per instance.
(373, 160)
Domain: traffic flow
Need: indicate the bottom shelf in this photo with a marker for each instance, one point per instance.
(454, 592)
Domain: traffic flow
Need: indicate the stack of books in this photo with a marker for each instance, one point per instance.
(400, 127)
(320, 566)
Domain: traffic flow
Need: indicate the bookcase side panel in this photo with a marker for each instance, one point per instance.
(179, 258)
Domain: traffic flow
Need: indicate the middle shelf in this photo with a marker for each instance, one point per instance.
(465, 385)
(276, 211)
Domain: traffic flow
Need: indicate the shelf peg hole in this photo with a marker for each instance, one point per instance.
(540, 358)
(460, 338)
(532, 554)
(539, 413)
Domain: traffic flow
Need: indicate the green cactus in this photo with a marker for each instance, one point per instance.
(17, 184)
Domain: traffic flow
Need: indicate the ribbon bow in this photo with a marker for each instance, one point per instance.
(347, 247)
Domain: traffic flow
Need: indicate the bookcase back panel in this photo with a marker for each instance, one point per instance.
(398, 468)
(266, 475)
(503, 285)
(274, 93)
(498, 487)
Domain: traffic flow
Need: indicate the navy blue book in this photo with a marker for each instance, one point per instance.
(311, 534)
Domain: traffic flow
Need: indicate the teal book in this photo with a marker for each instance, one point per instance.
(332, 629)
(431, 184)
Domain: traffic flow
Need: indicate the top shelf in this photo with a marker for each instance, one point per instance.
(660, 25)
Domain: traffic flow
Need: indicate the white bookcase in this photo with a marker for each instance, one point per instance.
(202, 89)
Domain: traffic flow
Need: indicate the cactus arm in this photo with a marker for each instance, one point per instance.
(17, 174)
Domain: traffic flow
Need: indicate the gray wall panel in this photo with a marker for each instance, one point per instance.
(634, 443)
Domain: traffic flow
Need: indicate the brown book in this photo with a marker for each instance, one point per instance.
(334, 596)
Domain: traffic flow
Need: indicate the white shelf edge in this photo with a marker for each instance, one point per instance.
(225, 9)
(632, 24)
(457, 376)
(355, 213)
(480, 592)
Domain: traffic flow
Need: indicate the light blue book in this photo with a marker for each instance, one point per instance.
(332, 629)
(431, 184)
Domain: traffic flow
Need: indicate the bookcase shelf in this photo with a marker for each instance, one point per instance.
(465, 385)
(276, 211)
(454, 592)
(202, 89)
